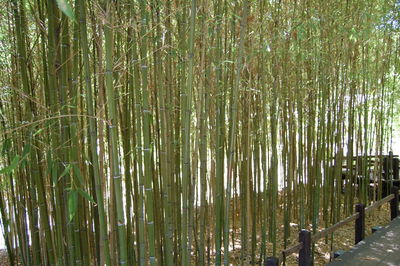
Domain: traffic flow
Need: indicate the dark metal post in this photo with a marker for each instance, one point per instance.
(360, 223)
(271, 261)
(385, 167)
(305, 251)
(395, 168)
(338, 253)
(376, 228)
(394, 203)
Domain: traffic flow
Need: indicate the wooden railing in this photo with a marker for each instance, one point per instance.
(306, 239)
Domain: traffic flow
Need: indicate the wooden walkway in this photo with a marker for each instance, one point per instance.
(380, 248)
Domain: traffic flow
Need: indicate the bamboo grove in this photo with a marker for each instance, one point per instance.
(139, 132)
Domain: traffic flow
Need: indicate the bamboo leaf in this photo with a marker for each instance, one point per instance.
(11, 167)
(26, 151)
(78, 174)
(72, 204)
(53, 172)
(38, 131)
(85, 195)
(66, 8)
(65, 172)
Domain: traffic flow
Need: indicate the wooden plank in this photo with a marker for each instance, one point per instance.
(378, 203)
(334, 227)
(292, 249)
(381, 248)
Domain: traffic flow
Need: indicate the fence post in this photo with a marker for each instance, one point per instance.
(360, 223)
(395, 164)
(394, 203)
(271, 261)
(305, 251)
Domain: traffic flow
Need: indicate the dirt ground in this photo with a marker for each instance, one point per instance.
(4, 258)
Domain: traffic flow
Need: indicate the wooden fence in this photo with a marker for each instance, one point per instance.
(306, 239)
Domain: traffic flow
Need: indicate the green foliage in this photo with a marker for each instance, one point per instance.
(66, 8)
(72, 204)
(73, 201)
(66, 171)
(13, 165)
(85, 195)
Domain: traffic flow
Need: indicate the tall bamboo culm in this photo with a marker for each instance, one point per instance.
(189, 132)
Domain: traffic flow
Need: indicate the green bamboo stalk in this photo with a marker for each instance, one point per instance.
(65, 87)
(53, 58)
(73, 152)
(126, 128)
(220, 132)
(163, 219)
(233, 122)
(93, 132)
(112, 114)
(204, 104)
(139, 158)
(20, 25)
(186, 117)
(156, 37)
(147, 148)
(169, 207)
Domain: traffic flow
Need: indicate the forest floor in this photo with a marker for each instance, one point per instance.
(4, 258)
